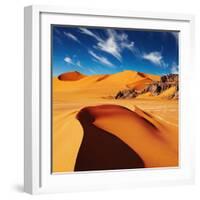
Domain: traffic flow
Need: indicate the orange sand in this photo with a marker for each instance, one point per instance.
(149, 127)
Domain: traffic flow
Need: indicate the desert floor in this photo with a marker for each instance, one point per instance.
(156, 150)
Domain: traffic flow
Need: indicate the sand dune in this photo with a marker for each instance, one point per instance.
(71, 76)
(141, 84)
(97, 86)
(141, 132)
(127, 77)
(122, 78)
(100, 149)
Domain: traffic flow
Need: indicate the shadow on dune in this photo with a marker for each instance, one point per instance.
(101, 150)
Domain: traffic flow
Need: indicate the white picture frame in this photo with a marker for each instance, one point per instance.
(37, 141)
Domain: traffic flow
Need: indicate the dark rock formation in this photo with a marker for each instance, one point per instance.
(169, 78)
(155, 88)
(126, 94)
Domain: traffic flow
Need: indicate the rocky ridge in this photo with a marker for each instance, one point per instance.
(155, 88)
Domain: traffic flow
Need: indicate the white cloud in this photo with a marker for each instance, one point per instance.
(68, 60)
(122, 40)
(154, 57)
(114, 44)
(174, 68)
(129, 46)
(71, 36)
(110, 46)
(90, 33)
(101, 59)
(76, 63)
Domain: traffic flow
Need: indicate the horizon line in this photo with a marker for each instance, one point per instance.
(112, 73)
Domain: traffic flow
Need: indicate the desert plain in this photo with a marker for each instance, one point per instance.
(93, 129)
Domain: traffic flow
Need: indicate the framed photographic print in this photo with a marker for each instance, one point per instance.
(105, 97)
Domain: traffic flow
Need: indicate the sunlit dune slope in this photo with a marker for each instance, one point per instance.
(168, 93)
(141, 84)
(67, 137)
(146, 95)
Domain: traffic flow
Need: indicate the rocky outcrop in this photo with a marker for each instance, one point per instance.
(170, 78)
(155, 88)
(126, 94)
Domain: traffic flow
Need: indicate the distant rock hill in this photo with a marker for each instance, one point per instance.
(167, 87)
(71, 76)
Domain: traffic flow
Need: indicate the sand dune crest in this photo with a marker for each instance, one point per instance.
(101, 150)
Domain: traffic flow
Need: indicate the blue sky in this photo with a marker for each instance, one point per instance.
(106, 50)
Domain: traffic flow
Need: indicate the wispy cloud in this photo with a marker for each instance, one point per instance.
(154, 57)
(71, 36)
(78, 63)
(110, 46)
(174, 68)
(101, 59)
(114, 44)
(70, 61)
(129, 46)
(90, 33)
